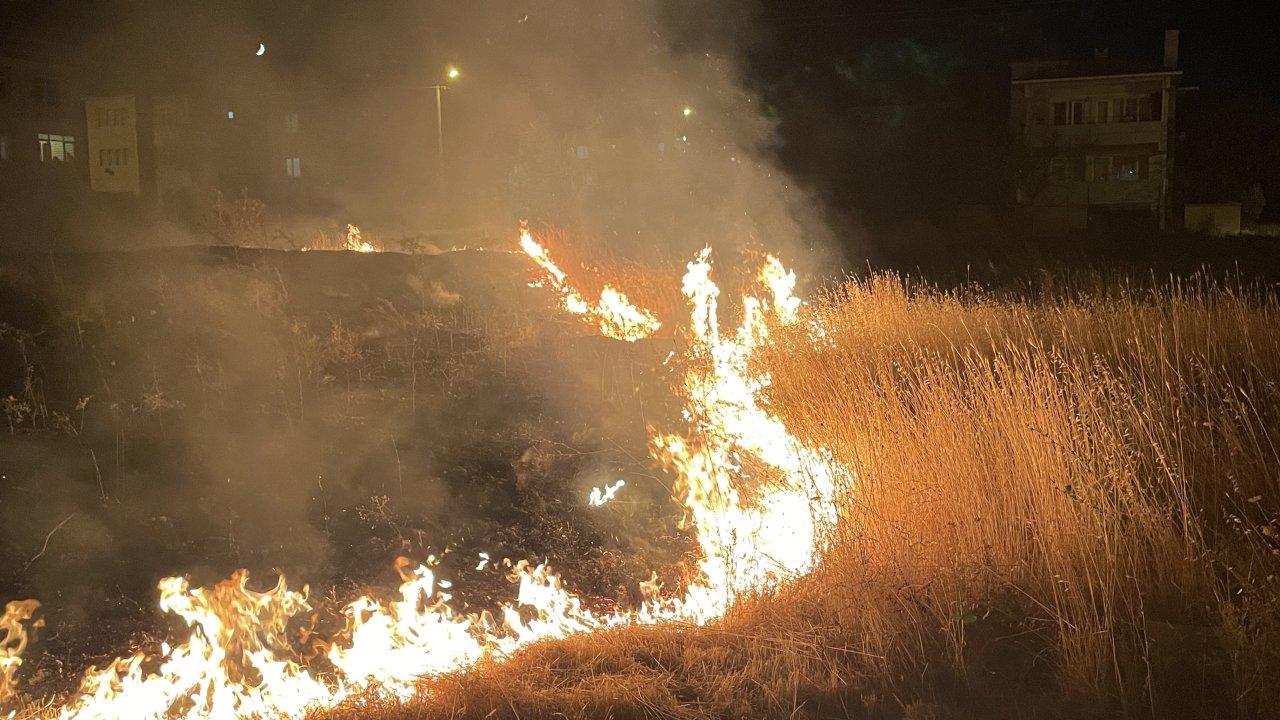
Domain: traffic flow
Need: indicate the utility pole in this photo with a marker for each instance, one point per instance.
(440, 122)
(451, 72)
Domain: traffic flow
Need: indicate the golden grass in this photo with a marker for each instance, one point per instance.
(1058, 501)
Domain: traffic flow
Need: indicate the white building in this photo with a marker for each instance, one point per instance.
(1095, 137)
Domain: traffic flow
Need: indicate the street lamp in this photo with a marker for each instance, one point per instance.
(451, 72)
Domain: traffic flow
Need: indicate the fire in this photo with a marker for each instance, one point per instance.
(613, 314)
(600, 496)
(355, 241)
(13, 641)
(238, 661)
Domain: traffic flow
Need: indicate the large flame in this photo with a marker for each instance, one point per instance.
(238, 661)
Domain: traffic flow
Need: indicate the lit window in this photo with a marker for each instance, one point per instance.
(293, 167)
(231, 114)
(291, 122)
(56, 148)
(582, 152)
(662, 148)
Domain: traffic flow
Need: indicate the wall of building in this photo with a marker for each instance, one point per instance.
(1098, 141)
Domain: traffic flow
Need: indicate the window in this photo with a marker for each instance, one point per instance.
(1139, 109)
(1077, 112)
(231, 114)
(1069, 113)
(1066, 169)
(1058, 169)
(582, 152)
(1101, 169)
(291, 122)
(44, 90)
(1128, 168)
(1102, 113)
(56, 148)
(293, 167)
(4, 147)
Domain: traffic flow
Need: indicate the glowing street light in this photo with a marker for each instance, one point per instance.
(451, 72)
(687, 111)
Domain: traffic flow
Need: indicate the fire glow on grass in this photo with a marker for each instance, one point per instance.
(238, 661)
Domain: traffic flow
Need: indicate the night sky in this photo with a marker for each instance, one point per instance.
(934, 74)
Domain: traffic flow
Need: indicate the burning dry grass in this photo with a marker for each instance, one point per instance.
(746, 667)
(1063, 503)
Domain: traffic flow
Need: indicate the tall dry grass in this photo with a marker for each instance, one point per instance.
(1094, 472)
(1064, 507)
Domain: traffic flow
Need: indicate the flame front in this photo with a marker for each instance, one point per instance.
(13, 641)
(613, 314)
(238, 662)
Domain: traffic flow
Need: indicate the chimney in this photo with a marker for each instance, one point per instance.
(1171, 49)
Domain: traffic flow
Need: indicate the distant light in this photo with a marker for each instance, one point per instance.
(231, 114)
(687, 111)
(452, 72)
(262, 50)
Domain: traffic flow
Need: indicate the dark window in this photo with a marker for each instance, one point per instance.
(1077, 112)
(1129, 168)
(45, 91)
(1059, 113)
(4, 147)
(1101, 169)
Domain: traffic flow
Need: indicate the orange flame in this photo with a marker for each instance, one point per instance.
(237, 661)
(613, 314)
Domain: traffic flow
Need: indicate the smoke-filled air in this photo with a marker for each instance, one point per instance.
(629, 359)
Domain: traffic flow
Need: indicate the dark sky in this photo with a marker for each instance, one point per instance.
(818, 65)
(1224, 45)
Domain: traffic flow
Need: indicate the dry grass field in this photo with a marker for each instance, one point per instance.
(1065, 507)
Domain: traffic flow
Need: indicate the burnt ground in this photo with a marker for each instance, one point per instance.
(197, 410)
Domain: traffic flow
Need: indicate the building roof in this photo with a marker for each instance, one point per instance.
(1049, 70)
